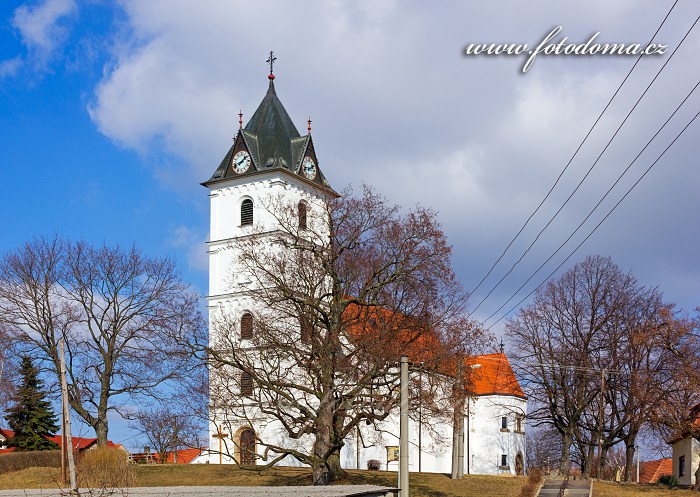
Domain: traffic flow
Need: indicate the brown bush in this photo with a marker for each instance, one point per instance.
(17, 460)
(534, 478)
(104, 467)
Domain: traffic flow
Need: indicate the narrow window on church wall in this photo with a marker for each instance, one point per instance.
(247, 326)
(504, 423)
(246, 212)
(246, 384)
(305, 329)
(302, 215)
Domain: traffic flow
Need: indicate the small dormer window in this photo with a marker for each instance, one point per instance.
(301, 210)
(246, 212)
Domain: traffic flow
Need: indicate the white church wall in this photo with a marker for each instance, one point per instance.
(488, 440)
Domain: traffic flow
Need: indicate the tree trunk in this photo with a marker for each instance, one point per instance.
(564, 461)
(325, 467)
(588, 462)
(326, 472)
(629, 462)
(101, 428)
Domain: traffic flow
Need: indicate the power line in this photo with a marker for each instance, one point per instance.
(593, 231)
(556, 214)
(571, 159)
(590, 213)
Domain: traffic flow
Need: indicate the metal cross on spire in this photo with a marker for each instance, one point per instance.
(271, 60)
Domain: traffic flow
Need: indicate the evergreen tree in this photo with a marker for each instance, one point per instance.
(31, 416)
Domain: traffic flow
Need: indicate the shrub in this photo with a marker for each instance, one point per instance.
(534, 478)
(105, 467)
(19, 460)
(668, 479)
(374, 465)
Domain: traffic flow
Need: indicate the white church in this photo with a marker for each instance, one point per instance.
(268, 160)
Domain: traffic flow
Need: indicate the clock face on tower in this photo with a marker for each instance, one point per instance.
(308, 167)
(241, 162)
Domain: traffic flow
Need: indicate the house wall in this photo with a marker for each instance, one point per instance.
(690, 448)
(488, 442)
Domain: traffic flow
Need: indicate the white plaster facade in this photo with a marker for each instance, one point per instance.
(686, 458)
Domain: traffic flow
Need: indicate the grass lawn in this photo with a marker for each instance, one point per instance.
(612, 489)
(422, 484)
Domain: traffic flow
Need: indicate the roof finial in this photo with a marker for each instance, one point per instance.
(501, 345)
(240, 119)
(309, 124)
(271, 60)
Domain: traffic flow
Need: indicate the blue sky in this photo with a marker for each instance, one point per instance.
(114, 112)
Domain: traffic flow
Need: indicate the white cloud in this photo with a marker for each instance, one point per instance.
(395, 104)
(193, 243)
(42, 32)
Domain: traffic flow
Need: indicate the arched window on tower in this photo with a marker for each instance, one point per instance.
(246, 212)
(247, 326)
(302, 215)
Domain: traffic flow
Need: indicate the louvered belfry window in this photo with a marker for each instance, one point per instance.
(247, 326)
(302, 215)
(246, 384)
(246, 212)
(305, 328)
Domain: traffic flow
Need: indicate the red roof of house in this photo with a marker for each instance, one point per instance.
(184, 456)
(651, 471)
(79, 443)
(7, 433)
(491, 374)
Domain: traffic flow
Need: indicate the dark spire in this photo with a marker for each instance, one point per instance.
(273, 127)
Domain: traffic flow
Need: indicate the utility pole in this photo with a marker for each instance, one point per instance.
(599, 466)
(420, 417)
(458, 422)
(174, 438)
(403, 430)
(637, 451)
(66, 423)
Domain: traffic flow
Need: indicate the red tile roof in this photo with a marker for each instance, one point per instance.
(491, 374)
(184, 456)
(79, 443)
(651, 471)
(7, 433)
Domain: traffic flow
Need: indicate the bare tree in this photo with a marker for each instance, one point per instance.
(168, 429)
(594, 347)
(339, 300)
(123, 317)
(543, 443)
(8, 367)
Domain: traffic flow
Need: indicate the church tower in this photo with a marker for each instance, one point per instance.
(269, 161)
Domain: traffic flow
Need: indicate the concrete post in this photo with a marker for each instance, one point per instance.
(403, 431)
